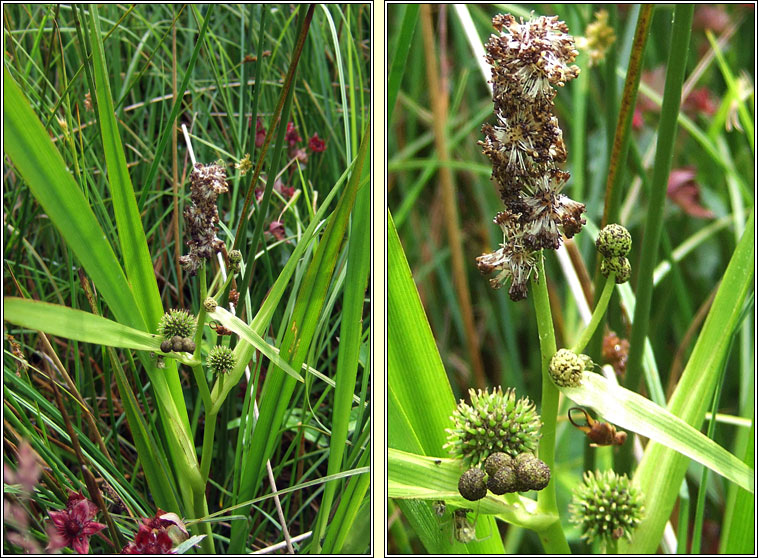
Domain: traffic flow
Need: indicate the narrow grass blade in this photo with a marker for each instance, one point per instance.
(662, 469)
(636, 413)
(358, 265)
(230, 321)
(137, 262)
(29, 147)
(420, 399)
(277, 388)
(63, 321)
(400, 52)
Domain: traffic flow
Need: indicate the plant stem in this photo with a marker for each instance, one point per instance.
(553, 539)
(597, 315)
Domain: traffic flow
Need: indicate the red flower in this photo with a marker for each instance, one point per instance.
(260, 133)
(684, 191)
(292, 136)
(153, 535)
(637, 120)
(74, 525)
(316, 144)
(276, 228)
(149, 541)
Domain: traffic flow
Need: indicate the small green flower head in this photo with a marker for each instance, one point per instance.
(493, 422)
(221, 359)
(235, 257)
(566, 368)
(503, 481)
(606, 506)
(472, 484)
(532, 472)
(613, 241)
(619, 265)
(209, 304)
(176, 322)
(496, 461)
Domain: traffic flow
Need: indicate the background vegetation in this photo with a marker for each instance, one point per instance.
(438, 103)
(75, 210)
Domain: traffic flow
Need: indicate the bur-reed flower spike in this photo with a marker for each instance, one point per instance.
(606, 506)
(503, 481)
(526, 144)
(618, 265)
(493, 422)
(532, 473)
(566, 368)
(221, 359)
(176, 323)
(210, 304)
(613, 241)
(206, 183)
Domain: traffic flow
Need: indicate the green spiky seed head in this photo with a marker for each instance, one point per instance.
(607, 506)
(496, 461)
(566, 368)
(504, 481)
(472, 484)
(235, 257)
(221, 359)
(532, 472)
(209, 304)
(613, 241)
(493, 422)
(619, 265)
(176, 323)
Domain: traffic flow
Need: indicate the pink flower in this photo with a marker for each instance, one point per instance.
(316, 144)
(153, 535)
(276, 228)
(260, 133)
(74, 525)
(292, 136)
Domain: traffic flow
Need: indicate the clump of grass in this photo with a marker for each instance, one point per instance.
(274, 102)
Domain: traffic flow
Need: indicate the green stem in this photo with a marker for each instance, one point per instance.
(597, 315)
(553, 539)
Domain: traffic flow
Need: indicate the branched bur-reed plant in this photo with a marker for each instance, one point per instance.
(214, 392)
(502, 447)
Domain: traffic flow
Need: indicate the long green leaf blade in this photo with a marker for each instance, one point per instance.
(32, 152)
(63, 321)
(632, 411)
(662, 469)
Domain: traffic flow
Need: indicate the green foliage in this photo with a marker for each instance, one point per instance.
(631, 116)
(95, 183)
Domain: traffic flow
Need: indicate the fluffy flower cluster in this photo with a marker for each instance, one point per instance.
(206, 183)
(526, 144)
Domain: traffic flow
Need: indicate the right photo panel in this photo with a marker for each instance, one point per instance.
(570, 279)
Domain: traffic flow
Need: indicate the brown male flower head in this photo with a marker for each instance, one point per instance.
(526, 145)
(528, 59)
(206, 183)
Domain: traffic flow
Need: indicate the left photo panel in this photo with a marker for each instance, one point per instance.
(186, 278)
